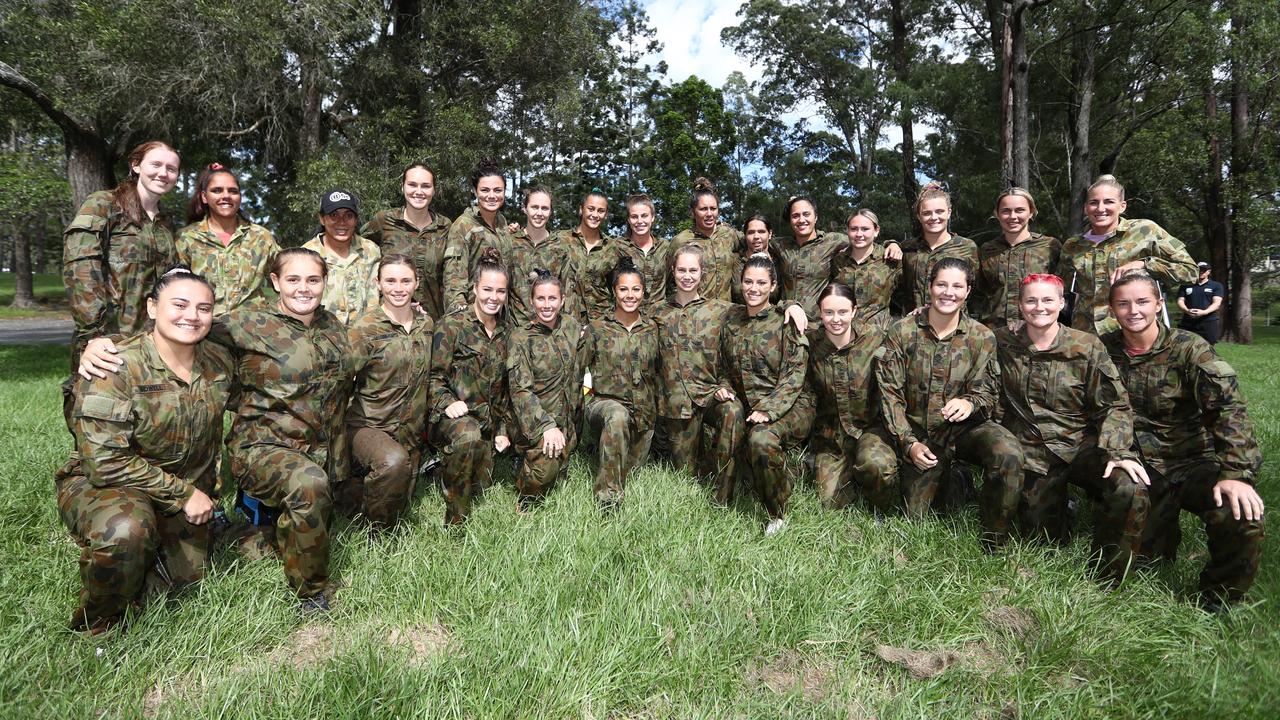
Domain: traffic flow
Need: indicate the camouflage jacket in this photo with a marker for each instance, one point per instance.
(393, 234)
(1001, 269)
(238, 270)
(391, 375)
(806, 269)
(469, 236)
(525, 258)
(591, 273)
(918, 261)
(293, 381)
(468, 365)
(689, 340)
(145, 429)
(764, 359)
(544, 370)
(109, 264)
(874, 281)
(351, 283)
(917, 374)
(720, 262)
(1187, 405)
(1055, 399)
(624, 365)
(1089, 267)
(842, 383)
(654, 266)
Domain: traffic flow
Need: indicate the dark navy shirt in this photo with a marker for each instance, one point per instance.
(1200, 296)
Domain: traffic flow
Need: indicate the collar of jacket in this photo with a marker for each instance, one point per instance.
(153, 359)
(1034, 237)
(962, 327)
(208, 235)
(397, 217)
(699, 300)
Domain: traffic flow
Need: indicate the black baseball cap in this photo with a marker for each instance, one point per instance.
(335, 200)
(1203, 265)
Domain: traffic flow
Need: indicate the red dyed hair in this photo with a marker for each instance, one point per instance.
(1043, 278)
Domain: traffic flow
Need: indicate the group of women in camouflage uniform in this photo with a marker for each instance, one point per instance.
(720, 349)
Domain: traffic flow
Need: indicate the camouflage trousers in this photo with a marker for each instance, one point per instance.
(538, 473)
(289, 480)
(766, 447)
(467, 463)
(982, 443)
(1119, 507)
(383, 475)
(623, 444)
(706, 444)
(123, 539)
(848, 466)
(1235, 546)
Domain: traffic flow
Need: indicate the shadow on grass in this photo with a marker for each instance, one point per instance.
(33, 362)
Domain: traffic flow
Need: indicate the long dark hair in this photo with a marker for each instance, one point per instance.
(196, 207)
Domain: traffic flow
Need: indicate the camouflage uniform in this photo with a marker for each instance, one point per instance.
(765, 358)
(1193, 431)
(917, 373)
(704, 433)
(525, 258)
(469, 236)
(1068, 408)
(719, 260)
(806, 269)
(1001, 268)
(1089, 267)
(874, 282)
(351, 284)
(287, 442)
(594, 297)
(393, 234)
(623, 404)
(655, 267)
(467, 365)
(544, 370)
(109, 264)
(388, 412)
(918, 261)
(238, 270)
(851, 450)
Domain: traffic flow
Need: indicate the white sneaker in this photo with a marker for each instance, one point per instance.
(775, 526)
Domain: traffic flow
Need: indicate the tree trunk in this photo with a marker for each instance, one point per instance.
(1006, 98)
(1084, 48)
(1217, 231)
(1241, 325)
(906, 115)
(24, 292)
(309, 133)
(1020, 71)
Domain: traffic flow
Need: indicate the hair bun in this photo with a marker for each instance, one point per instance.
(491, 255)
(703, 183)
(762, 255)
(626, 262)
(1106, 178)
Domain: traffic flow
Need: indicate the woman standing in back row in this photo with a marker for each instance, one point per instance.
(720, 243)
(936, 243)
(417, 231)
(870, 269)
(1006, 260)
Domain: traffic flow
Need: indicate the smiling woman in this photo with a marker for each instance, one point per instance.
(351, 286)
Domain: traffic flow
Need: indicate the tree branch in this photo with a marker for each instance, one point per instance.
(238, 133)
(10, 77)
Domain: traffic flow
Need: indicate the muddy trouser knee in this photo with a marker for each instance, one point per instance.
(766, 447)
(121, 535)
(623, 444)
(389, 478)
(1235, 546)
(998, 453)
(467, 463)
(293, 483)
(538, 473)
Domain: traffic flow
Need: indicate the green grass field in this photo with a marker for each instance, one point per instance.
(671, 608)
(49, 292)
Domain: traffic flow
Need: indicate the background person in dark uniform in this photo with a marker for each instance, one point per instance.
(1200, 302)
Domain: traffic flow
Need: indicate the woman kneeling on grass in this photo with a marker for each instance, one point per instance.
(1064, 401)
(939, 384)
(765, 360)
(388, 414)
(1194, 437)
(469, 387)
(148, 437)
(544, 369)
(287, 442)
(622, 356)
(851, 449)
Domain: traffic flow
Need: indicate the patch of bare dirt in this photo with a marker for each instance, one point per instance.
(1016, 621)
(423, 642)
(925, 664)
(791, 671)
(305, 647)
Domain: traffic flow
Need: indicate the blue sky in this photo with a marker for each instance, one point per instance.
(689, 31)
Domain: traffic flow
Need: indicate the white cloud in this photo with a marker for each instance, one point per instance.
(689, 31)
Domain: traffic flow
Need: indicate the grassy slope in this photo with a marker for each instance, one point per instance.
(670, 609)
